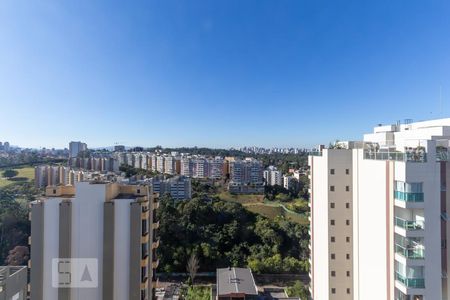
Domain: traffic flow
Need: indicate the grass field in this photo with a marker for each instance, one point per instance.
(25, 174)
(272, 211)
(243, 199)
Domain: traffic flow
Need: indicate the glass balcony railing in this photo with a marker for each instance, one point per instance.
(418, 283)
(409, 225)
(408, 197)
(396, 156)
(410, 252)
(315, 153)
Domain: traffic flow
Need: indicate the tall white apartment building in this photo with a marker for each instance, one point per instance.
(75, 148)
(187, 167)
(272, 176)
(109, 225)
(379, 221)
(200, 168)
(170, 165)
(216, 168)
(160, 164)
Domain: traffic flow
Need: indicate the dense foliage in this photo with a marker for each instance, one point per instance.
(14, 224)
(224, 234)
(298, 290)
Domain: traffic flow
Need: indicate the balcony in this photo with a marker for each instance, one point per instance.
(396, 156)
(408, 197)
(409, 225)
(416, 283)
(410, 252)
(315, 153)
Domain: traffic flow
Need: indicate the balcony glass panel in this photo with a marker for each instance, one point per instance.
(408, 197)
(410, 252)
(418, 283)
(409, 225)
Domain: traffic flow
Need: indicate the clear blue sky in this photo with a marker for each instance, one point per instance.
(218, 73)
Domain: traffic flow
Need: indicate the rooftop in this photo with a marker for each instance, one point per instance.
(235, 280)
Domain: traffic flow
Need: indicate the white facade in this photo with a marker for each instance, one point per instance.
(398, 200)
(75, 148)
(272, 176)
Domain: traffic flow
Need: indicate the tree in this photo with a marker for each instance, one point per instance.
(298, 290)
(192, 267)
(10, 173)
(18, 256)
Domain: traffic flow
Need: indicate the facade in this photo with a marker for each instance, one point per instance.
(75, 148)
(13, 283)
(272, 176)
(109, 223)
(248, 171)
(179, 187)
(46, 175)
(379, 215)
(290, 182)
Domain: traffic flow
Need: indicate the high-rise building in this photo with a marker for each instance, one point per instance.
(379, 215)
(75, 148)
(272, 176)
(107, 228)
(160, 164)
(178, 187)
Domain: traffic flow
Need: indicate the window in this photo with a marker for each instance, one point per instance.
(332, 171)
(333, 256)
(332, 188)
(347, 256)
(347, 205)
(138, 191)
(413, 187)
(347, 239)
(347, 171)
(332, 222)
(347, 222)
(332, 204)
(348, 291)
(348, 273)
(333, 291)
(333, 239)
(333, 273)
(347, 188)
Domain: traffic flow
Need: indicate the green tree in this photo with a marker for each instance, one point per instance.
(10, 173)
(298, 290)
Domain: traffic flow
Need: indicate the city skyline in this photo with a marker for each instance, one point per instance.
(218, 74)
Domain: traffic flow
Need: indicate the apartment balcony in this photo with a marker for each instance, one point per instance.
(418, 157)
(155, 225)
(155, 244)
(155, 264)
(410, 252)
(315, 153)
(407, 228)
(415, 283)
(409, 200)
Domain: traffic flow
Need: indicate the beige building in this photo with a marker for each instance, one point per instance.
(109, 226)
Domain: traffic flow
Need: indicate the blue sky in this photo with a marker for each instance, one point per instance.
(218, 73)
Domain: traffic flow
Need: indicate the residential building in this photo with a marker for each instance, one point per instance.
(248, 171)
(379, 215)
(290, 182)
(179, 187)
(200, 168)
(216, 168)
(105, 229)
(13, 283)
(75, 148)
(160, 164)
(170, 165)
(187, 167)
(272, 176)
(119, 148)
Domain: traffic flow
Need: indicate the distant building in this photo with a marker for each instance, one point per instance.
(248, 171)
(76, 147)
(272, 176)
(109, 229)
(290, 182)
(236, 284)
(179, 187)
(13, 283)
(119, 148)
